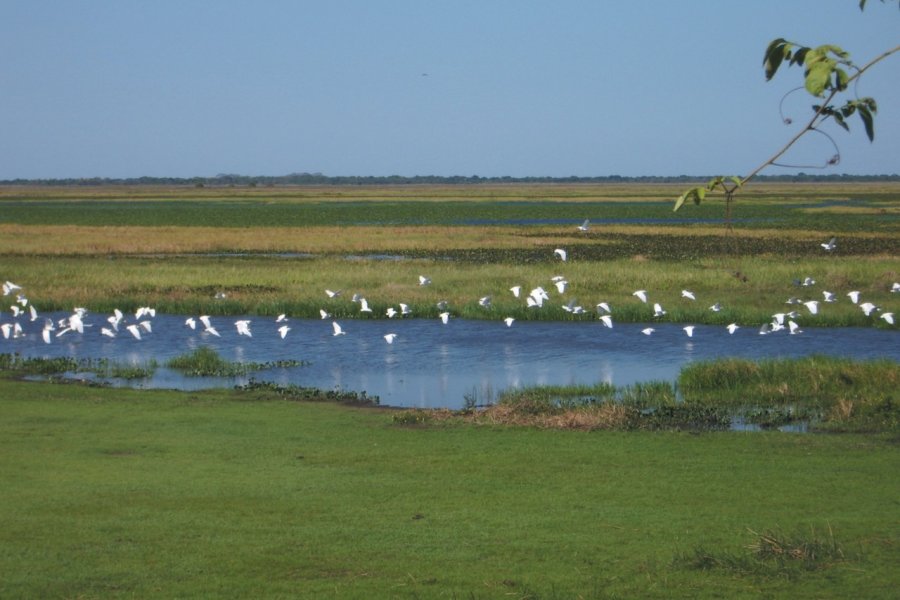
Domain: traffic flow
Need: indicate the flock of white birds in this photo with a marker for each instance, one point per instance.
(142, 321)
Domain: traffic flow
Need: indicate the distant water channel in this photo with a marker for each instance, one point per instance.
(431, 365)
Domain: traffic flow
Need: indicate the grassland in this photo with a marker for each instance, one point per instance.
(276, 250)
(118, 493)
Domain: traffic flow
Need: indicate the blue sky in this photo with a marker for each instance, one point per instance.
(122, 88)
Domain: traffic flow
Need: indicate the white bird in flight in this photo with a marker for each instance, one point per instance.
(688, 294)
(516, 290)
(658, 310)
(732, 327)
(603, 306)
(812, 306)
(243, 327)
(509, 321)
(888, 316)
(364, 305)
(585, 226)
(390, 337)
(647, 330)
(283, 331)
(337, 329)
(829, 245)
(423, 280)
(445, 317)
(642, 294)
(689, 330)
(607, 321)
(854, 296)
(562, 254)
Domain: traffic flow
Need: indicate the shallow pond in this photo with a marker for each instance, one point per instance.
(432, 365)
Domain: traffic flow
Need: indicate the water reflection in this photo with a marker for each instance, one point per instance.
(435, 365)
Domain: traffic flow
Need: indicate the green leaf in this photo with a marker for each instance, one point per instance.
(817, 78)
(696, 194)
(868, 121)
(776, 52)
(737, 181)
(840, 120)
(841, 79)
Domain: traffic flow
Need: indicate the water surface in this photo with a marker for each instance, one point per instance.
(433, 365)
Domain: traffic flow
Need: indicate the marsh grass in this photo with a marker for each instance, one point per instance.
(102, 367)
(773, 553)
(820, 393)
(206, 362)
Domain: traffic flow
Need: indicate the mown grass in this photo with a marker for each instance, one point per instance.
(121, 493)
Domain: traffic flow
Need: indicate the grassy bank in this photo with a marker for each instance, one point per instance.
(116, 493)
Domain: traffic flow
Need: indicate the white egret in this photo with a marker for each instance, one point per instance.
(9, 287)
(107, 332)
(641, 294)
(337, 329)
(45, 334)
(868, 308)
(147, 325)
(715, 307)
(405, 310)
(442, 305)
(424, 280)
(282, 318)
(585, 226)
(808, 282)
(16, 311)
(689, 330)
(516, 290)
(732, 327)
(509, 321)
(688, 294)
(190, 322)
(134, 330)
(561, 286)
(888, 316)
(607, 320)
(895, 287)
(485, 301)
(21, 299)
(603, 306)
(829, 245)
(812, 306)
(828, 296)
(32, 311)
(562, 254)
(323, 314)
(658, 310)
(391, 312)
(6, 328)
(283, 331)
(331, 294)
(243, 327)
(647, 330)
(794, 328)
(390, 337)
(854, 296)
(364, 305)
(445, 317)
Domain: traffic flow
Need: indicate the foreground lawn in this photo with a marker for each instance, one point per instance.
(121, 493)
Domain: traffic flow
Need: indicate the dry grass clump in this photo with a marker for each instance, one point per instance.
(587, 418)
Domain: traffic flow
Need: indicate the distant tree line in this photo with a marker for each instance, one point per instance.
(320, 179)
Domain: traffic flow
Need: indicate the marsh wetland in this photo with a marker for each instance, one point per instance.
(646, 489)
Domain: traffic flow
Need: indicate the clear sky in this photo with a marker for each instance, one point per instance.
(128, 88)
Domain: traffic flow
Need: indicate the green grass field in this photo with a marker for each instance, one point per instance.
(156, 494)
